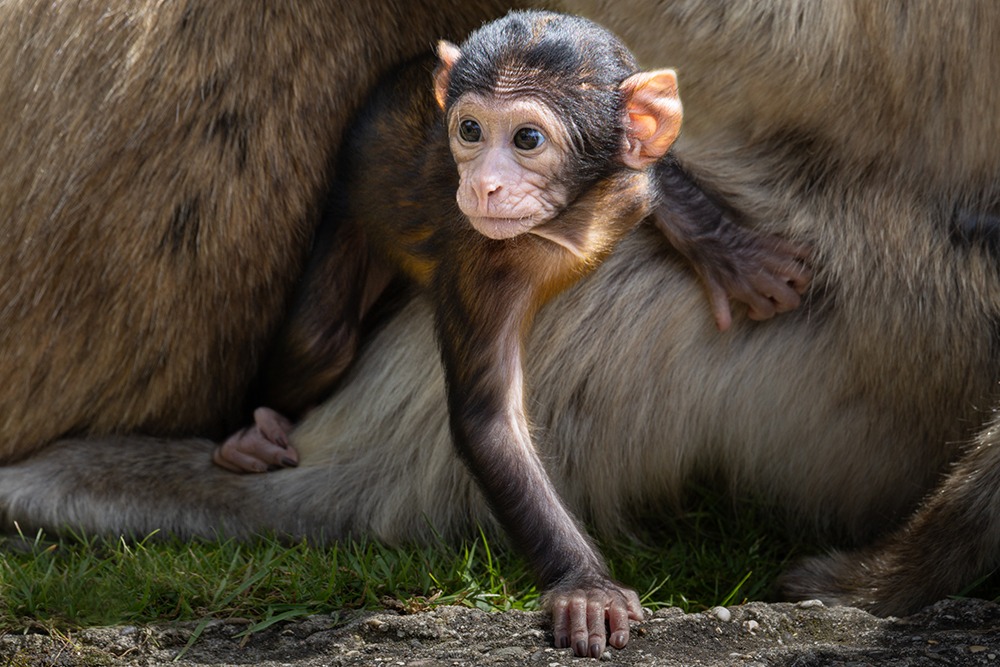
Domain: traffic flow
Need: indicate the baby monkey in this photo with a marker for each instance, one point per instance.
(559, 142)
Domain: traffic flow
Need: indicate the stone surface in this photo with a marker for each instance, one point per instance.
(955, 632)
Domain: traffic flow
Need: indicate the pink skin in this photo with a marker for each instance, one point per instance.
(776, 286)
(578, 619)
(505, 191)
(767, 273)
(261, 447)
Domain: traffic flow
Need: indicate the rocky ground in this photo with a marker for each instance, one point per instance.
(963, 632)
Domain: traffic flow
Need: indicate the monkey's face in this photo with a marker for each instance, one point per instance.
(511, 155)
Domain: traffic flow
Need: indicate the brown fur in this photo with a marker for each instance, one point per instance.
(862, 127)
(951, 540)
(163, 165)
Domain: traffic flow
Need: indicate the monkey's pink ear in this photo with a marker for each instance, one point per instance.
(448, 55)
(654, 112)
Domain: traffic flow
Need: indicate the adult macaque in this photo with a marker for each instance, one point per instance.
(859, 126)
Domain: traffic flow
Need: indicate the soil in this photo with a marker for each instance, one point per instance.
(952, 632)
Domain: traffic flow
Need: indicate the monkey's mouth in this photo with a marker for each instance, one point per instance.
(501, 228)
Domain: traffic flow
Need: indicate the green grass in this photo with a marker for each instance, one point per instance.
(703, 558)
(709, 555)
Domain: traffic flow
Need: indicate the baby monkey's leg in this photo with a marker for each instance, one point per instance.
(314, 347)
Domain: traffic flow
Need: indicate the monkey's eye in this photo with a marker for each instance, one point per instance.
(528, 138)
(470, 131)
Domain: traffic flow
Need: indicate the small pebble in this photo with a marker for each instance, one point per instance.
(721, 613)
(810, 604)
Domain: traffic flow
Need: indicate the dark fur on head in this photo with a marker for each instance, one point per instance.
(569, 63)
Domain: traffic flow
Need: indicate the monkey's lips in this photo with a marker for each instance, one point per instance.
(501, 228)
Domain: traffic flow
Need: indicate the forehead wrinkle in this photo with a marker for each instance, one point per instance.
(515, 80)
(519, 80)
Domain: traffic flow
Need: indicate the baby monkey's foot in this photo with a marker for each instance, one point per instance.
(261, 447)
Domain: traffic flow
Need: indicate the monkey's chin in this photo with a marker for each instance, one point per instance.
(502, 228)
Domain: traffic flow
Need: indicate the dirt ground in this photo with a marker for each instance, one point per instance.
(955, 632)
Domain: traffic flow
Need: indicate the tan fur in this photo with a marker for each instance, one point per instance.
(860, 127)
(163, 163)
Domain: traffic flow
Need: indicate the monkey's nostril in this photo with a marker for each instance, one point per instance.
(487, 191)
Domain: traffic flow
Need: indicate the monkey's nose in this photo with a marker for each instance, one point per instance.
(488, 190)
